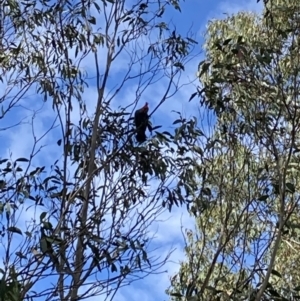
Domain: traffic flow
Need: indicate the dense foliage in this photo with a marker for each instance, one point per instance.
(245, 245)
(79, 196)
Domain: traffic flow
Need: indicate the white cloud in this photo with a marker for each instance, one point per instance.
(233, 7)
(225, 8)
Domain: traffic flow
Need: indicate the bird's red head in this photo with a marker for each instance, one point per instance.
(145, 108)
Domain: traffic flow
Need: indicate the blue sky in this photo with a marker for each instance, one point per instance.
(194, 16)
(168, 235)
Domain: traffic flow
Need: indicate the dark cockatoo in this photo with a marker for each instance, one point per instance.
(141, 120)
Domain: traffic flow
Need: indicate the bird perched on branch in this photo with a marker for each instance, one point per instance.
(141, 120)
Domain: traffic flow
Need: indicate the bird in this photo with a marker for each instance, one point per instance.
(141, 120)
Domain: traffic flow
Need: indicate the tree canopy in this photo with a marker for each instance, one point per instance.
(77, 200)
(245, 245)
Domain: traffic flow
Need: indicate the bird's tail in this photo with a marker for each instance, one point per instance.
(141, 136)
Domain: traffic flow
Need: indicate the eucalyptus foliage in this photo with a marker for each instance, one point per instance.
(91, 199)
(246, 245)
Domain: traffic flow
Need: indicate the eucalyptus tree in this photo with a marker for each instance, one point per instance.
(245, 245)
(78, 198)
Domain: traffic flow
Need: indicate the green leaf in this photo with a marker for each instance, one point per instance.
(43, 245)
(204, 69)
(15, 230)
(22, 160)
(29, 234)
(276, 188)
(276, 273)
(176, 295)
(274, 293)
(290, 187)
(198, 150)
(47, 225)
(177, 121)
(227, 41)
(206, 191)
(92, 20)
(42, 216)
(113, 268)
(193, 95)
(20, 254)
(263, 197)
